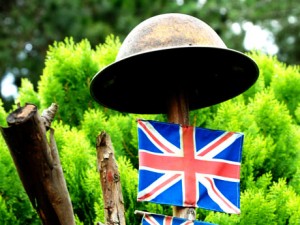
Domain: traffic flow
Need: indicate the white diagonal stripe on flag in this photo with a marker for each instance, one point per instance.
(220, 147)
(152, 134)
(159, 186)
(150, 219)
(217, 196)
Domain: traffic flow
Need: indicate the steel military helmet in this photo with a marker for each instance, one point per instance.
(167, 53)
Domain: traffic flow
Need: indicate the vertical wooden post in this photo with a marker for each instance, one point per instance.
(178, 112)
(110, 181)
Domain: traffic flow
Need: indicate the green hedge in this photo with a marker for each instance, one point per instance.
(268, 114)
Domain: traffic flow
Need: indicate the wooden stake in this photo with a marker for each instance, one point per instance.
(178, 112)
(110, 181)
(38, 165)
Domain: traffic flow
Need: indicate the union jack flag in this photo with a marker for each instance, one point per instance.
(154, 219)
(189, 166)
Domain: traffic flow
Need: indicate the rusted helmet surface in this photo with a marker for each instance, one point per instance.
(166, 54)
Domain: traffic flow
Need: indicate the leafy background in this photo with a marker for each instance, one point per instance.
(268, 114)
(29, 27)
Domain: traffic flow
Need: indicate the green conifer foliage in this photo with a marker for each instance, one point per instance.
(6, 215)
(285, 85)
(27, 94)
(297, 114)
(274, 121)
(263, 203)
(78, 159)
(129, 182)
(3, 115)
(96, 121)
(293, 205)
(268, 114)
(69, 68)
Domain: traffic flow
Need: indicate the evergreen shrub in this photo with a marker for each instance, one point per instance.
(268, 114)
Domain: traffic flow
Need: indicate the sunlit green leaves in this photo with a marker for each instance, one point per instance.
(67, 75)
(27, 94)
(268, 115)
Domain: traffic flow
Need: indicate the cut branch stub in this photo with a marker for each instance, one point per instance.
(38, 165)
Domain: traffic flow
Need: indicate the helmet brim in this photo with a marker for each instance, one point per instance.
(143, 83)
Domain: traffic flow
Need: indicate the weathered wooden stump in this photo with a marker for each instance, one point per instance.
(38, 165)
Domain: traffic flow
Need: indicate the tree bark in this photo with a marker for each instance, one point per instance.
(110, 181)
(38, 165)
